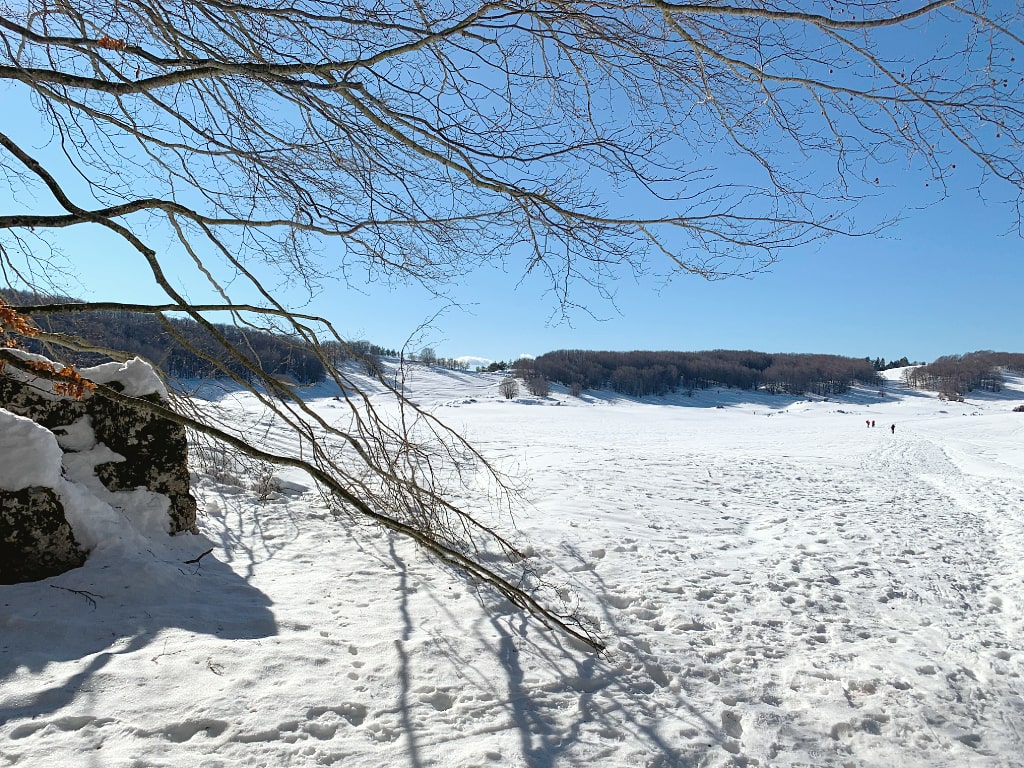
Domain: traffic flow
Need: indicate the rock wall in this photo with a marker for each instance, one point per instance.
(34, 532)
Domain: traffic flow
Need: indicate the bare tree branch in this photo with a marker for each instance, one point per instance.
(414, 140)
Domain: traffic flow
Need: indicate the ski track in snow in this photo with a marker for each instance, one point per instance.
(786, 591)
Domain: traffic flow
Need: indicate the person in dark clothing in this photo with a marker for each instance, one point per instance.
(893, 428)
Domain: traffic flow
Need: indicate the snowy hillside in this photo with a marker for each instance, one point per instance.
(778, 584)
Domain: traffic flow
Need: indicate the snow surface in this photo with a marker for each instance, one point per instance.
(778, 585)
(136, 376)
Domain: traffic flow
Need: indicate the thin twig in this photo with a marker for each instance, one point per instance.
(200, 557)
(90, 596)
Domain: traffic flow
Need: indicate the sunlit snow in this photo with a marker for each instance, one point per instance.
(778, 584)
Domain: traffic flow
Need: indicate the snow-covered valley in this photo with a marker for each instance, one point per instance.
(778, 585)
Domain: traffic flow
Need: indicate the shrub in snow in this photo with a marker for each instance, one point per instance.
(219, 464)
(538, 386)
(265, 484)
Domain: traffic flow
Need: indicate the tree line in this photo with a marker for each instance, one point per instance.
(643, 373)
(184, 349)
(428, 356)
(953, 376)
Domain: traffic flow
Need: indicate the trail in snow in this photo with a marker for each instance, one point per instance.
(842, 608)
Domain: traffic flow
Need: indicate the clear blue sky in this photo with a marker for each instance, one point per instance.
(946, 279)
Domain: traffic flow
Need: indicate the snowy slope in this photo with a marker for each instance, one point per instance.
(779, 585)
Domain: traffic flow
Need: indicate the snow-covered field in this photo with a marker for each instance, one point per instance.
(778, 585)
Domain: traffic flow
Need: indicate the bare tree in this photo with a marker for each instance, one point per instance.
(421, 139)
(509, 388)
(428, 356)
(538, 386)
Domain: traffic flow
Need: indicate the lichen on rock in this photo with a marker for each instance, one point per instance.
(35, 538)
(152, 453)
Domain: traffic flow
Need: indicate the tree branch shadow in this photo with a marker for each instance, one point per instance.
(562, 701)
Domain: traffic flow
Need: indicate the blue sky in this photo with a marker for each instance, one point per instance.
(946, 279)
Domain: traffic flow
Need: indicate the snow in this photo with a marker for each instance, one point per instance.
(30, 453)
(136, 376)
(778, 585)
(99, 516)
(42, 386)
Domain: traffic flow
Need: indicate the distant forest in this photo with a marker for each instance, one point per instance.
(146, 336)
(638, 374)
(644, 373)
(953, 376)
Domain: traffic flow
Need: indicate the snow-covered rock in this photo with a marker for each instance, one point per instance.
(31, 455)
(57, 448)
(36, 540)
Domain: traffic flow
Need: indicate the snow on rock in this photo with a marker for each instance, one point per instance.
(126, 447)
(42, 388)
(31, 455)
(77, 436)
(97, 514)
(36, 539)
(136, 376)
